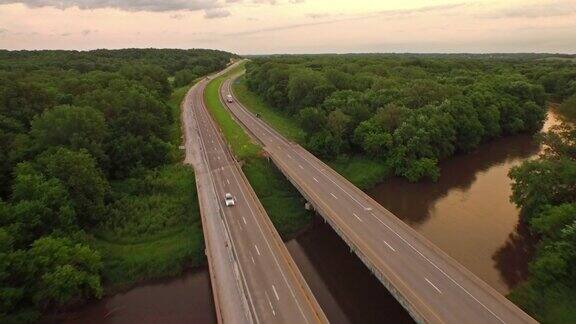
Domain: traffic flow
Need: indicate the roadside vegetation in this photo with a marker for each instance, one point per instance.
(282, 202)
(402, 114)
(93, 196)
(371, 116)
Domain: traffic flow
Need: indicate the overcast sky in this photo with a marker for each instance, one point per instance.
(292, 26)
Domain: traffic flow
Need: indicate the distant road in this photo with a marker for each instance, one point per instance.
(267, 286)
(432, 286)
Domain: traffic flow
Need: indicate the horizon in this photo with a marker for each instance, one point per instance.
(269, 27)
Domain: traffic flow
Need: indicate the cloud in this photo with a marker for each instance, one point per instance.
(127, 5)
(385, 13)
(216, 13)
(553, 8)
(318, 15)
(87, 32)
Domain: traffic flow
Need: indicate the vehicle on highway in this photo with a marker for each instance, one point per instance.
(229, 200)
(229, 98)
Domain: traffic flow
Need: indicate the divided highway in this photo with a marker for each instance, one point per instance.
(254, 279)
(432, 286)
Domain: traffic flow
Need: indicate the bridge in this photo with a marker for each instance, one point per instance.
(253, 277)
(430, 285)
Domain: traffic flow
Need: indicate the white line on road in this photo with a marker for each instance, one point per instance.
(252, 257)
(228, 181)
(390, 246)
(270, 303)
(439, 269)
(431, 284)
(358, 218)
(275, 293)
(333, 195)
(257, 251)
(290, 156)
(300, 166)
(315, 179)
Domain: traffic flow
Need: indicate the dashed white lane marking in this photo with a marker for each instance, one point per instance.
(333, 195)
(300, 166)
(270, 304)
(244, 219)
(389, 246)
(315, 179)
(228, 181)
(275, 293)
(439, 269)
(431, 284)
(252, 257)
(290, 156)
(358, 218)
(256, 247)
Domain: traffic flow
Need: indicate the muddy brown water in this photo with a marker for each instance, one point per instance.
(467, 213)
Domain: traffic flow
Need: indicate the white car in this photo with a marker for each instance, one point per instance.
(229, 98)
(229, 200)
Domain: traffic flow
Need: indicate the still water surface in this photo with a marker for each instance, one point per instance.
(467, 213)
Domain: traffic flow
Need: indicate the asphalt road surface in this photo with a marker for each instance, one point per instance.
(431, 286)
(274, 289)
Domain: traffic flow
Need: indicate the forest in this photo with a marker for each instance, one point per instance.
(545, 189)
(92, 192)
(405, 113)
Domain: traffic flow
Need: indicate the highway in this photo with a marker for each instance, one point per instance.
(255, 281)
(432, 286)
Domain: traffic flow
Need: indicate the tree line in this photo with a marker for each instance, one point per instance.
(545, 189)
(84, 137)
(409, 111)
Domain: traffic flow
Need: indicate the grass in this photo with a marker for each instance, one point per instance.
(283, 124)
(364, 172)
(153, 226)
(241, 143)
(126, 264)
(282, 202)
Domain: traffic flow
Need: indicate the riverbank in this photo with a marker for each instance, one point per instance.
(282, 201)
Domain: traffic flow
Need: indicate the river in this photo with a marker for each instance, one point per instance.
(467, 213)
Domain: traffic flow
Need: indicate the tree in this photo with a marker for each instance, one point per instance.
(312, 119)
(469, 129)
(72, 127)
(63, 271)
(543, 182)
(86, 186)
(302, 86)
(40, 206)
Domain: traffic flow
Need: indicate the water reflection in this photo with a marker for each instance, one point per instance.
(511, 259)
(414, 202)
(468, 214)
(186, 299)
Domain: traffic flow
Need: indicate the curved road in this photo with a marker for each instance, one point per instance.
(432, 286)
(272, 288)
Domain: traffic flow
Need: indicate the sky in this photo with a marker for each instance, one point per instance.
(293, 26)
